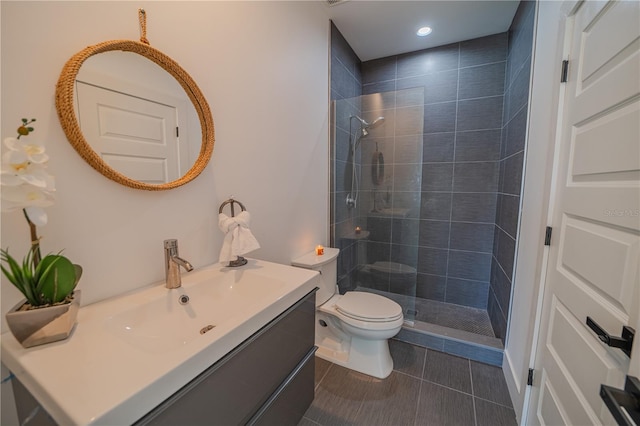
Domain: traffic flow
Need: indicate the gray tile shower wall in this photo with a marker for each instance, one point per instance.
(460, 165)
(346, 84)
(514, 122)
(461, 237)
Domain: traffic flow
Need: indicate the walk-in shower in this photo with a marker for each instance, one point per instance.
(432, 193)
(396, 231)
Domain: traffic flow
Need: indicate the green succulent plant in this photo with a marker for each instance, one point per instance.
(28, 187)
(50, 281)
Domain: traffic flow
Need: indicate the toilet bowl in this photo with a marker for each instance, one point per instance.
(352, 330)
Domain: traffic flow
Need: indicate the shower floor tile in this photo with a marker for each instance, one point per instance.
(425, 387)
(459, 317)
(472, 320)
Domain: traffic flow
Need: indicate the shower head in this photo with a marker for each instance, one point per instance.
(364, 125)
(378, 121)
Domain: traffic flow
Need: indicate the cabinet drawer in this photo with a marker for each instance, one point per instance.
(293, 397)
(232, 390)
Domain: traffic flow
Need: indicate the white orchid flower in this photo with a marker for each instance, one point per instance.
(23, 152)
(29, 198)
(12, 174)
(25, 182)
(37, 215)
(22, 196)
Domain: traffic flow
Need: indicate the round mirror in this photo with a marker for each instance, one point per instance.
(134, 114)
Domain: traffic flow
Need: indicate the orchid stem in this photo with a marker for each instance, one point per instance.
(35, 240)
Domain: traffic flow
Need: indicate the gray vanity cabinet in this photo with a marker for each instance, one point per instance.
(266, 380)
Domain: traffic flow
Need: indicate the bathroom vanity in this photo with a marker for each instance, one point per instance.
(241, 351)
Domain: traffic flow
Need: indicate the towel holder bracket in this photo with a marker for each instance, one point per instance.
(240, 261)
(231, 201)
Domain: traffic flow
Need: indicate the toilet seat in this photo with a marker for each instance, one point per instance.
(368, 307)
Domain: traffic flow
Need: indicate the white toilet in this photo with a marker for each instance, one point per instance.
(353, 329)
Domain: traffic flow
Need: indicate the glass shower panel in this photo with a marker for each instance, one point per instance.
(381, 170)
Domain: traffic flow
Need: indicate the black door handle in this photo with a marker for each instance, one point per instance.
(625, 343)
(624, 405)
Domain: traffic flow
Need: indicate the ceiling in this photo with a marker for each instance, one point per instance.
(376, 29)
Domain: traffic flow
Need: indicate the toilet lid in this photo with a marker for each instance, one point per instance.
(368, 306)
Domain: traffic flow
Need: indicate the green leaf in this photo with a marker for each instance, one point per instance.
(51, 281)
(21, 284)
(59, 278)
(21, 276)
(15, 268)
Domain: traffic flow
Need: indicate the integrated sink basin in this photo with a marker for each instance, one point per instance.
(129, 354)
(176, 317)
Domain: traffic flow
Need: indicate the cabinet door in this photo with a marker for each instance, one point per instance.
(232, 390)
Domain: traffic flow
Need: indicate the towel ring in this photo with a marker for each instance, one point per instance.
(232, 202)
(240, 261)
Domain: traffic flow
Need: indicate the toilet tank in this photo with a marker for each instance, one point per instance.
(327, 265)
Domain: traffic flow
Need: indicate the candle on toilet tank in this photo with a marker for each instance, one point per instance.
(319, 250)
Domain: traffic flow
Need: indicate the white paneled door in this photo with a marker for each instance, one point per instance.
(135, 136)
(594, 263)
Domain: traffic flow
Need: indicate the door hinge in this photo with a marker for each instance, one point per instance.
(565, 71)
(547, 236)
(530, 377)
(177, 132)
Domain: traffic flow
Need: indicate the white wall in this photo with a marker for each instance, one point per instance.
(263, 67)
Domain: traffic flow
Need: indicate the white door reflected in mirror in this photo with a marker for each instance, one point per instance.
(136, 117)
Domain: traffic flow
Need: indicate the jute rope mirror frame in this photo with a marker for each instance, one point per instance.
(70, 125)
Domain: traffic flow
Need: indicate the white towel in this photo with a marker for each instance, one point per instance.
(238, 239)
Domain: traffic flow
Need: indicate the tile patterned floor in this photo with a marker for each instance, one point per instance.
(426, 388)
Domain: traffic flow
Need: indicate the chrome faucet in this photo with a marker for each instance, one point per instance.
(172, 264)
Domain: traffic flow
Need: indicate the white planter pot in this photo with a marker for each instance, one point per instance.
(43, 325)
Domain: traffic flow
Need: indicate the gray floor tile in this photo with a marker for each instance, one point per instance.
(407, 358)
(475, 352)
(448, 370)
(322, 366)
(391, 401)
(489, 383)
(307, 422)
(344, 397)
(338, 397)
(490, 414)
(443, 406)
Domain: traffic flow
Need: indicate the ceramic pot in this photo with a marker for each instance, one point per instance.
(38, 326)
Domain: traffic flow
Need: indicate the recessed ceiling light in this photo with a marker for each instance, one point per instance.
(424, 31)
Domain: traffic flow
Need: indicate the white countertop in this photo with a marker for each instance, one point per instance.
(97, 377)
